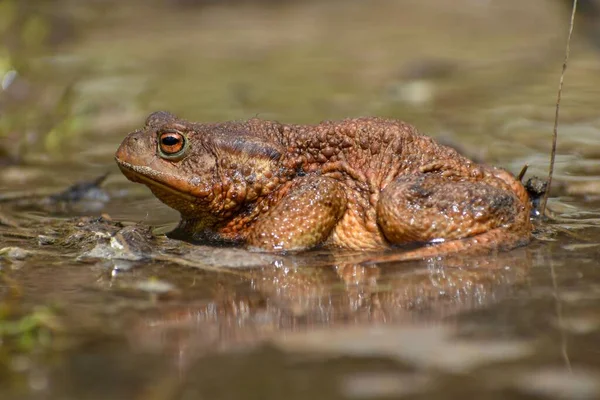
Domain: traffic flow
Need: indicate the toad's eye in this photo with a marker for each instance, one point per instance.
(171, 145)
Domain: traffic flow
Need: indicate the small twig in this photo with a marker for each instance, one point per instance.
(523, 172)
(555, 131)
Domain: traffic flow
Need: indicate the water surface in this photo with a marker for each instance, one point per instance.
(94, 306)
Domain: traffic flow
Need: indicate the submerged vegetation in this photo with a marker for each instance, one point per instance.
(28, 332)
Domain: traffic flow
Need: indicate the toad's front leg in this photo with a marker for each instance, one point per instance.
(302, 219)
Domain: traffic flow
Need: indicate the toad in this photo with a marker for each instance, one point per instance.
(362, 183)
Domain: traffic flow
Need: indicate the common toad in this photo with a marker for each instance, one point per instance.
(363, 183)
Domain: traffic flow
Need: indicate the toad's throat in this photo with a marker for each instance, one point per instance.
(144, 175)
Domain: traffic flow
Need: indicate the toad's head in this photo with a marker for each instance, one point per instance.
(201, 170)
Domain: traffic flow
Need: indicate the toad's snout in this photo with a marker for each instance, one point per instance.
(132, 154)
(133, 149)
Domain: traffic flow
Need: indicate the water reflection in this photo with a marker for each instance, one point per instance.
(288, 297)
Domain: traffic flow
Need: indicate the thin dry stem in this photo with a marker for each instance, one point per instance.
(523, 172)
(555, 131)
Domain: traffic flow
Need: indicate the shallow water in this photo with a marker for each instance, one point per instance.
(98, 308)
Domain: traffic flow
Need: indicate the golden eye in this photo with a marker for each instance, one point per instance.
(171, 144)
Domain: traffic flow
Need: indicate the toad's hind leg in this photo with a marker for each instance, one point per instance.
(428, 207)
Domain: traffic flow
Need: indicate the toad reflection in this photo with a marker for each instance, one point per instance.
(288, 297)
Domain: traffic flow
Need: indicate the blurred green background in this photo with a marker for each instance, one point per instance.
(78, 75)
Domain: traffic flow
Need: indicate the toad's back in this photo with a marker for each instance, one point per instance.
(379, 148)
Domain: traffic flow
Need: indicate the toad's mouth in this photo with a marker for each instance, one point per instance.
(152, 179)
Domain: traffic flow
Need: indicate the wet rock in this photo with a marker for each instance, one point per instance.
(85, 190)
(82, 197)
(45, 240)
(130, 243)
(536, 188)
(14, 253)
(560, 383)
(388, 385)
(420, 346)
(85, 233)
(155, 286)
(7, 220)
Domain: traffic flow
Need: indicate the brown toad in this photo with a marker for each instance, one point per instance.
(364, 183)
